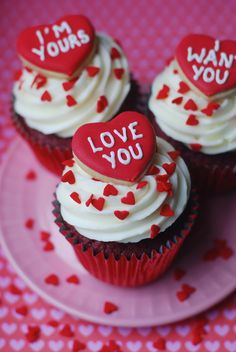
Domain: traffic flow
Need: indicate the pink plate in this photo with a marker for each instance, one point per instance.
(23, 198)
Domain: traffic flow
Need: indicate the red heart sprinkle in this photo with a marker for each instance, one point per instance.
(46, 96)
(162, 178)
(192, 120)
(155, 229)
(226, 252)
(49, 246)
(182, 296)
(119, 72)
(92, 71)
(39, 81)
(29, 224)
(128, 199)
(166, 210)
(163, 93)
(22, 310)
(14, 289)
(18, 75)
(52, 280)
(66, 331)
(78, 346)
(110, 307)
(175, 72)
(189, 289)
(102, 103)
(75, 197)
(160, 344)
(69, 84)
(153, 170)
(70, 101)
(89, 201)
(69, 162)
(179, 273)
(183, 88)
(196, 339)
(28, 69)
(110, 190)
(31, 175)
(169, 168)
(98, 203)
(196, 147)
(68, 177)
(141, 184)
(53, 323)
(33, 333)
(211, 107)
(177, 101)
(73, 279)
(163, 186)
(174, 154)
(190, 105)
(121, 214)
(44, 235)
(115, 54)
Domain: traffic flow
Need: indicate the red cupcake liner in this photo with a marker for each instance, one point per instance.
(212, 174)
(50, 156)
(130, 271)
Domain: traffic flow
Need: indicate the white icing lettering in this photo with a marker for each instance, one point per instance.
(225, 60)
(211, 57)
(217, 45)
(208, 74)
(133, 130)
(40, 52)
(53, 49)
(73, 41)
(107, 135)
(40, 37)
(140, 152)
(94, 148)
(111, 159)
(223, 79)
(197, 72)
(123, 156)
(58, 29)
(83, 37)
(64, 45)
(123, 135)
(194, 56)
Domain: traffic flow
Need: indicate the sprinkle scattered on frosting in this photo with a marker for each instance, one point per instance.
(46, 96)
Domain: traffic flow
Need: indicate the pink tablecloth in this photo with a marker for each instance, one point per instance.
(149, 31)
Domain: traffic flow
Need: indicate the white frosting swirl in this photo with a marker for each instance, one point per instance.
(56, 117)
(103, 225)
(216, 134)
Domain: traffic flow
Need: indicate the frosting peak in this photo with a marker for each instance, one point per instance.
(188, 117)
(125, 213)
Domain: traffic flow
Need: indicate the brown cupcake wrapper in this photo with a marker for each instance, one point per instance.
(128, 271)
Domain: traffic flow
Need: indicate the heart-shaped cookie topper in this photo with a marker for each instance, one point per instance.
(120, 150)
(209, 64)
(62, 48)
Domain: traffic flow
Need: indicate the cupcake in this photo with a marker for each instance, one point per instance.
(124, 201)
(71, 75)
(193, 104)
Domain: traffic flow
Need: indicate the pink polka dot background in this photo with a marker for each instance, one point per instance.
(149, 32)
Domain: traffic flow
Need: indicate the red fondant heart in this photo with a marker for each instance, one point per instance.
(121, 149)
(62, 47)
(207, 63)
